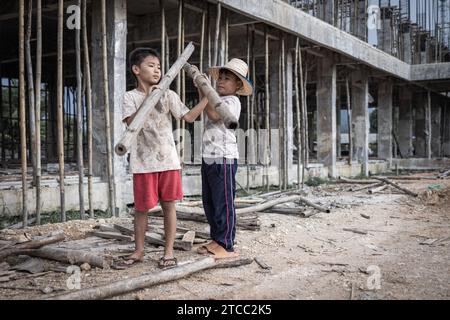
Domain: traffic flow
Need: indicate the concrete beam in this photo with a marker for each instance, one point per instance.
(283, 16)
(429, 72)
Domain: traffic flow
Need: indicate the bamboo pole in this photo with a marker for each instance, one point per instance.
(112, 199)
(79, 118)
(267, 102)
(349, 122)
(280, 102)
(201, 67)
(283, 115)
(249, 115)
(30, 83)
(216, 37)
(59, 105)
(163, 36)
(87, 76)
(178, 88)
(22, 115)
(297, 107)
(305, 116)
(183, 96)
(214, 99)
(303, 138)
(150, 101)
(38, 107)
(254, 144)
(227, 22)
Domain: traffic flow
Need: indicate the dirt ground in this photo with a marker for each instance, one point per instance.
(404, 255)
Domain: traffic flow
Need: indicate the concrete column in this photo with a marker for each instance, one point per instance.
(436, 114)
(117, 65)
(420, 128)
(289, 112)
(326, 114)
(404, 130)
(427, 129)
(385, 120)
(446, 130)
(360, 118)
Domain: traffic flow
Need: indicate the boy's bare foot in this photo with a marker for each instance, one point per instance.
(205, 249)
(220, 253)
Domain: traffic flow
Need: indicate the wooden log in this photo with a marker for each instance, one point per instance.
(355, 230)
(189, 237)
(150, 102)
(346, 180)
(214, 100)
(70, 256)
(297, 110)
(378, 184)
(145, 281)
(87, 76)
(38, 107)
(262, 264)
(111, 235)
(409, 192)
(152, 239)
(378, 189)
(349, 121)
(34, 244)
(22, 113)
(444, 174)
(109, 155)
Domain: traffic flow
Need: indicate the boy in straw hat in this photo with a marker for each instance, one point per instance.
(220, 156)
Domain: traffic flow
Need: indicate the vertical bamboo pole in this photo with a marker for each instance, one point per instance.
(305, 116)
(112, 200)
(304, 119)
(30, 83)
(38, 107)
(87, 76)
(22, 115)
(163, 36)
(226, 35)
(183, 92)
(280, 124)
(297, 107)
(349, 122)
(209, 36)
(267, 102)
(179, 48)
(59, 106)
(249, 115)
(216, 38)
(202, 49)
(254, 109)
(79, 118)
(284, 110)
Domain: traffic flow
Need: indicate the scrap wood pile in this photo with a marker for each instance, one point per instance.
(378, 184)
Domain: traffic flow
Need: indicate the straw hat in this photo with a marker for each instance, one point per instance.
(240, 69)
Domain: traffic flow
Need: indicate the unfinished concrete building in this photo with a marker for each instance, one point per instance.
(346, 87)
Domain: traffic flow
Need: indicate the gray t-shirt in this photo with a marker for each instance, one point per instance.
(218, 141)
(154, 148)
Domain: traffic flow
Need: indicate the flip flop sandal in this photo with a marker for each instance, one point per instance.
(207, 248)
(167, 263)
(126, 263)
(220, 253)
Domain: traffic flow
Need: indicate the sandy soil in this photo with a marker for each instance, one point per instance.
(404, 255)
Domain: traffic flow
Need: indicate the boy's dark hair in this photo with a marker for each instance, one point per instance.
(139, 54)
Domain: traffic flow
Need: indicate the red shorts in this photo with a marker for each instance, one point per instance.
(149, 188)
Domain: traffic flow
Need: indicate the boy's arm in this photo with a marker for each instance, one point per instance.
(129, 119)
(195, 111)
(213, 115)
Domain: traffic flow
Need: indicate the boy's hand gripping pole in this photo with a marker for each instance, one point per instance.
(203, 83)
(151, 101)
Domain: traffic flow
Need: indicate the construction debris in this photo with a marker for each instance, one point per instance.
(145, 281)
